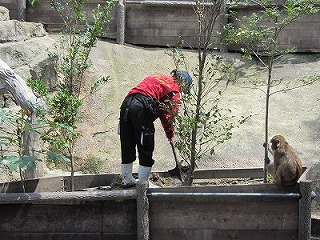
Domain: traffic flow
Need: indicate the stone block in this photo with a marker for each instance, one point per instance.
(16, 54)
(15, 31)
(4, 14)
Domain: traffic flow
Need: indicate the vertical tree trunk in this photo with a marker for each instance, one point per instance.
(266, 154)
(31, 147)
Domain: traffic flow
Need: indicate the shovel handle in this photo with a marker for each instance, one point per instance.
(176, 170)
(174, 152)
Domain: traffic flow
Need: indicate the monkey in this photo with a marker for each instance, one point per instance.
(287, 165)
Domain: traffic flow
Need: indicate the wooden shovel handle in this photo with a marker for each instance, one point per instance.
(174, 152)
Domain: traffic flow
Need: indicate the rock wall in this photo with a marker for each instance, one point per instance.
(24, 46)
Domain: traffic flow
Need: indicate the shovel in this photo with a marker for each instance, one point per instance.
(175, 172)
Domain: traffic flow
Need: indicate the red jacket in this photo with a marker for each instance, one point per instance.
(160, 87)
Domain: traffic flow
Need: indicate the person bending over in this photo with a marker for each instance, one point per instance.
(157, 96)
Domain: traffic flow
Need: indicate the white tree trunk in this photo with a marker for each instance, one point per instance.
(17, 87)
(9, 81)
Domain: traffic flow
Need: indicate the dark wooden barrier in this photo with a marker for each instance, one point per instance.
(43, 13)
(225, 212)
(12, 6)
(253, 211)
(162, 23)
(81, 216)
(301, 35)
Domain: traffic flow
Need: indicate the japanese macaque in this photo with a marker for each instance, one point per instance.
(287, 165)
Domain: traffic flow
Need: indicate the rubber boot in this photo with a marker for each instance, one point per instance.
(127, 179)
(143, 175)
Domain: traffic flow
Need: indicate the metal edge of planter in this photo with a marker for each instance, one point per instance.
(255, 172)
(46, 184)
(241, 192)
(93, 180)
(62, 183)
(58, 184)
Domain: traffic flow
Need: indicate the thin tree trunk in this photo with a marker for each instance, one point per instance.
(72, 174)
(31, 147)
(266, 154)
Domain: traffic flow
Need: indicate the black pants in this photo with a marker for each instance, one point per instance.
(137, 114)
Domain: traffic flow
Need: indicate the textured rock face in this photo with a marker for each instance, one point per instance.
(24, 46)
(4, 14)
(13, 30)
(17, 54)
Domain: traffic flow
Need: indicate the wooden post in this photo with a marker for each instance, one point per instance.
(142, 211)
(305, 210)
(22, 9)
(224, 21)
(121, 22)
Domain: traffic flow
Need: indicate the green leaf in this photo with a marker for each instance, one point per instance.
(12, 162)
(8, 159)
(38, 86)
(33, 2)
(57, 157)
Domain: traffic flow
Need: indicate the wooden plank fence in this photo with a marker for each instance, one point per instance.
(162, 23)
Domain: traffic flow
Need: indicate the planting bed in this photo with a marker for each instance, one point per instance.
(95, 211)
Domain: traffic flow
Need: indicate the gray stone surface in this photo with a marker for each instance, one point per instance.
(14, 30)
(4, 14)
(43, 68)
(17, 54)
(24, 47)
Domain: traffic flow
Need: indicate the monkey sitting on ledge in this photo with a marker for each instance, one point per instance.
(287, 165)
